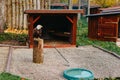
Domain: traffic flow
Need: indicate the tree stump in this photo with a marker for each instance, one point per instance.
(38, 50)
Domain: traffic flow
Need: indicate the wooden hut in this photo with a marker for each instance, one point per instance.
(94, 9)
(59, 26)
(59, 6)
(105, 25)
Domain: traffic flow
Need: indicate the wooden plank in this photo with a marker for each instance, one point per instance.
(49, 4)
(31, 4)
(34, 4)
(69, 19)
(20, 15)
(38, 4)
(111, 10)
(110, 19)
(70, 3)
(24, 16)
(100, 19)
(38, 17)
(108, 31)
(93, 27)
(13, 14)
(9, 14)
(27, 4)
(53, 11)
(22, 26)
(42, 4)
(18, 22)
(45, 4)
(74, 28)
(6, 15)
(65, 34)
(30, 26)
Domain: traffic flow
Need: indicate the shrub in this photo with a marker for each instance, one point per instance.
(8, 76)
(12, 36)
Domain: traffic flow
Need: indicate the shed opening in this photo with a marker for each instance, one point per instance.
(56, 29)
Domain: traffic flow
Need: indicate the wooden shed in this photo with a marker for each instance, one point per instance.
(59, 26)
(94, 9)
(59, 6)
(105, 25)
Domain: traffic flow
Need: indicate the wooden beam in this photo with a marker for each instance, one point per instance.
(69, 19)
(30, 27)
(36, 19)
(64, 11)
(74, 28)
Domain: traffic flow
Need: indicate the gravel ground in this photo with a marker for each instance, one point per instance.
(102, 64)
(3, 57)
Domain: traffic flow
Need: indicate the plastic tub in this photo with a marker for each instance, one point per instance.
(78, 74)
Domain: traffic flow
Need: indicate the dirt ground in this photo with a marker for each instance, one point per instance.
(56, 60)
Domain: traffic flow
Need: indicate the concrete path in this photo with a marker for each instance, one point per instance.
(3, 57)
(102, 64)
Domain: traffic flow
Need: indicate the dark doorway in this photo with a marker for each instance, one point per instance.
(119, 29)
(56, 29)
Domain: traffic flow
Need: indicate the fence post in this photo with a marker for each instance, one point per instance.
(38, 50)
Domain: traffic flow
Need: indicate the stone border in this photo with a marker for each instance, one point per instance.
(110, 52)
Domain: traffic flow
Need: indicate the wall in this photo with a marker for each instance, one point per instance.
(15, 17)
(2, 8)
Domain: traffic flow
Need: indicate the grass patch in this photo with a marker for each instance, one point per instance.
(82, 39)
(117, 78)
(8, 76)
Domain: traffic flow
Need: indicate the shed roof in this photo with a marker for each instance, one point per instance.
(104, 14)
(110, 8)
(107, 11)
(65, 11)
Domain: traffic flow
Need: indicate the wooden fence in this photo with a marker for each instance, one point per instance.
(15, 17)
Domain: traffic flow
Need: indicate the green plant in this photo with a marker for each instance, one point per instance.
(8, 76)
(105, 3)
(11, 36)
(116, 78)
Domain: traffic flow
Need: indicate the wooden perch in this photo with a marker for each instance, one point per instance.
(38, 51)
